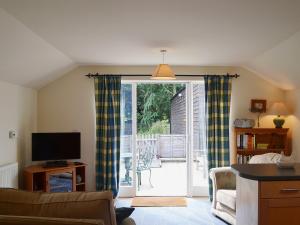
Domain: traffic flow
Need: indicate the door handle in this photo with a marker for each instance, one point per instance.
(289, 190)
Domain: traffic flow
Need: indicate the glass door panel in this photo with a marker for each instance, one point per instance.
(161, 141)
(61, 182)
(199, 153)
(127, 171)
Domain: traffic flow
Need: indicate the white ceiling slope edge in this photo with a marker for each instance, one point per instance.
(25, 58)
(280, 64)
(60, 34)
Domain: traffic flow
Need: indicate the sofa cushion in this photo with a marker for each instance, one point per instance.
(123, 213)
(27, 220)
(266, 158)
(227, 197)
(80, 205)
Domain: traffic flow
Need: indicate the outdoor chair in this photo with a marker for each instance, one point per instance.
(144, 161)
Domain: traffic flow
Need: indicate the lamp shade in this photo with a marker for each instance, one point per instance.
(278, 108)
(163, 72)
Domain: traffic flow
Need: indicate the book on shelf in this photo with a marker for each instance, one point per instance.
(245, 141)
(250, 142)
(262, 146)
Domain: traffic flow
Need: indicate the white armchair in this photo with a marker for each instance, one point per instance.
(224, 193)
(224, 187)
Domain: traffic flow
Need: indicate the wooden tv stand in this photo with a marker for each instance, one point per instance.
(37, 177)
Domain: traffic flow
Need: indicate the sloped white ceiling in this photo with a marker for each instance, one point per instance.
(281, 64)
(131, 32)
(25, 58)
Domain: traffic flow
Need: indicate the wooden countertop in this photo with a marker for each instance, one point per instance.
(266, 172)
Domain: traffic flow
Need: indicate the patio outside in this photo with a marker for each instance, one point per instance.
(167, 176)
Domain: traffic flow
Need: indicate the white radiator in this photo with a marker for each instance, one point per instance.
(9, 175)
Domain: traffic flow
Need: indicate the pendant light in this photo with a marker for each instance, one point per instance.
(163, 71)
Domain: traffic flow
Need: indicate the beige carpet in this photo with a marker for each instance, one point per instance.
(158, 202)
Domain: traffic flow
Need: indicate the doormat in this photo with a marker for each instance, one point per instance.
(159, 202)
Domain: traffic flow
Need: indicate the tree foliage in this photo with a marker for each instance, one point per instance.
(154, 104)
(159, 127)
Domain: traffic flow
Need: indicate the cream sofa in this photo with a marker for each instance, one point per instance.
(75, 208)
(224, 187)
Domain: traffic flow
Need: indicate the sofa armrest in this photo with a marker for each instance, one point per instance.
(31, 220)
(222, 178)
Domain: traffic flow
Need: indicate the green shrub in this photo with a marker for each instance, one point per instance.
(159, 127)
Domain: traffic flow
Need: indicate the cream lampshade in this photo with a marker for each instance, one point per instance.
(279, 109)
(163, 71)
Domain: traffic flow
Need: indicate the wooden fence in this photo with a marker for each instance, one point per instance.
(164, 145)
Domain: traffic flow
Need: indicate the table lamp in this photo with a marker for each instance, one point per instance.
(279, 109)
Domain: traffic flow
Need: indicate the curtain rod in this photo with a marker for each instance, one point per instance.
(90, 75)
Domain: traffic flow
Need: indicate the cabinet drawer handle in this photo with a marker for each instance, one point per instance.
(289, 190)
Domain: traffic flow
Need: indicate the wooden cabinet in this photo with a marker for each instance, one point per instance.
(267, 202)
(280, 211)
(280, 189)
(267, 195)
(37, 177)
(279, 203)
(256, 141)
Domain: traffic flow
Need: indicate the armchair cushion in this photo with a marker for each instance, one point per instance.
(226, 180)
(223, 177)
(227, 197)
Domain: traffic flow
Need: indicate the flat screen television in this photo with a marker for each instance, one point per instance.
(55, 146)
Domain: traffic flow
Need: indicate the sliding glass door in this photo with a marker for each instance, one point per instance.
(163, 139)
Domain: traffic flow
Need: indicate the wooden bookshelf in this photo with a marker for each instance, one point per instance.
(257, 141)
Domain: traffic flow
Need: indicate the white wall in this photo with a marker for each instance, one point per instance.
(249, 86)
(18, 108)
(67, 104)
(293, 121)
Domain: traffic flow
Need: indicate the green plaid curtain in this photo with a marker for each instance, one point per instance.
(107, 99)
(217, 100)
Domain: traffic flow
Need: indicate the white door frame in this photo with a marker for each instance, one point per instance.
(190, 138)
(130, 191)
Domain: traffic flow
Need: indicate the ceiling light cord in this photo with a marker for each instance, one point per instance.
(163, 52)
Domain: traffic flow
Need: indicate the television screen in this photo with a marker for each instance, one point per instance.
(55, 146)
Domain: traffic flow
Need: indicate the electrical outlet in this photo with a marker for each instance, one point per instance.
(11, 134)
